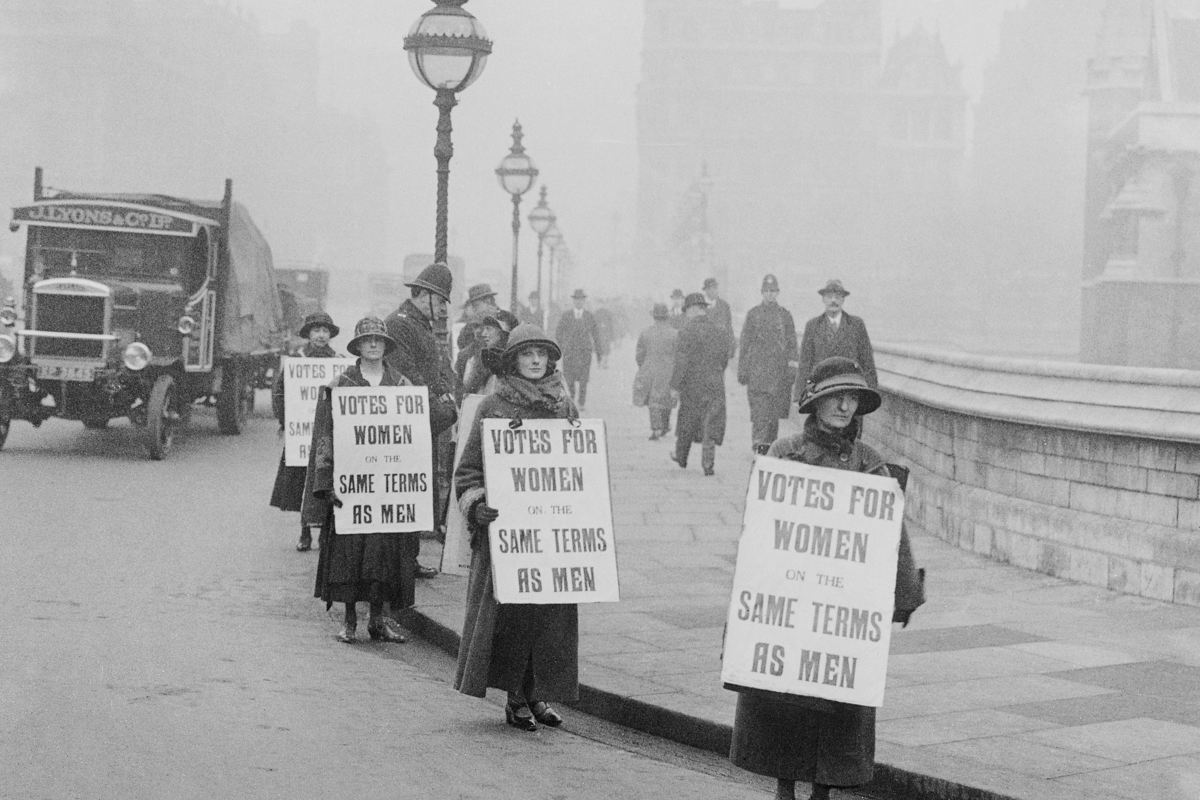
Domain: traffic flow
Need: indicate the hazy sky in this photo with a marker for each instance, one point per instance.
(569, 70)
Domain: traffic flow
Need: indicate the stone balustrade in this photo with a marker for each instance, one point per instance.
(1090, 473)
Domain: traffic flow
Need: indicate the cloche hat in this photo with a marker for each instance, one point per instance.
(503, 320)
(371, 326)
(319, 320)
(524, 335)
(435, 278)
(839, 374)
(770, 283)
(695, 299)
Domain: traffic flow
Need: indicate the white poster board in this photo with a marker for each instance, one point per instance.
(456, 552)
(814, 586)
(553, 541)
(302, 381)
(383, 459)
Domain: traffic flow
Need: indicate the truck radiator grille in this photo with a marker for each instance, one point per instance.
(66, 313)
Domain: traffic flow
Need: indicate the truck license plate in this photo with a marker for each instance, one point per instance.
(67, 372)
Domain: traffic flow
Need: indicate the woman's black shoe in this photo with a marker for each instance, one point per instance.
(380, 630)
(545, 714)
(513, 716)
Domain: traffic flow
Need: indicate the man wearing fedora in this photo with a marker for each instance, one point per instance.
(532, 313)
(701, 356)
(767, 364)
(418, 357)
(481, 304)
(579, 337)
(675, 315)
(834, 333)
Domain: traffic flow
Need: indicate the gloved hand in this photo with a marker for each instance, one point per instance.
(482, 514)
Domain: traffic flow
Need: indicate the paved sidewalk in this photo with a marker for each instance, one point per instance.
(1007, 683)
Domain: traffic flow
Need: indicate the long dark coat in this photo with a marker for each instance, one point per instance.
(701, 355)
(821, 341)
(656, 362)
(767, 347)
(579, 339)
(362, 566)
(500, 640)
(419, 358)
(812, 739)
(288, 492)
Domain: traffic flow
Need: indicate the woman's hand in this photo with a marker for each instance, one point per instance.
(482, 514)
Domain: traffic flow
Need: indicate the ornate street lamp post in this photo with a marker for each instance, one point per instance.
(540, 219)
(553, 239)
(447, 50)
(517, 174)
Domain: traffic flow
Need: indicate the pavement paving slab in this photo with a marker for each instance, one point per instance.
(1007, 684)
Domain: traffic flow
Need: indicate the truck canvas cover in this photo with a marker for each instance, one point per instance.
(253, 319)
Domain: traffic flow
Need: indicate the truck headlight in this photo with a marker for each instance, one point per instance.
(8, 315)
(137, 356)
(186, 325)
(8, 348)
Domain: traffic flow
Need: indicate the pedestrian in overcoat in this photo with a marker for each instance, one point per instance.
(376, 568)
(767, 364)
(675, 314)
(834, 333)
(480, 304)
(530, 651)
(580, 339)
(655, 356)
(794, 738)
(701, 355)
(288, 492)
(719, 313)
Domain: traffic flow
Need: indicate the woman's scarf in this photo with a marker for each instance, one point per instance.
(311, 350)
(546, 395)
(840, 442)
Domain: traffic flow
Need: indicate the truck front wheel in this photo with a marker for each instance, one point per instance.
(162, 415)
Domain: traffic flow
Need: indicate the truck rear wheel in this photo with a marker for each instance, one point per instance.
(232, 408)
(162, 415)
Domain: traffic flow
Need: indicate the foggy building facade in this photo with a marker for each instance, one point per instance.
(783, 140)
(173, 97)
(1141, 267)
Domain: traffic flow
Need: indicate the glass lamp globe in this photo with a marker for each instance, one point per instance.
(447, 47)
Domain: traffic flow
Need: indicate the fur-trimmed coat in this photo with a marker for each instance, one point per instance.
(499, 640)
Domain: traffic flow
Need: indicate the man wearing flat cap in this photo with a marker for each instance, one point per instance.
(767, 364)
(835, 333)
(579, 337)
